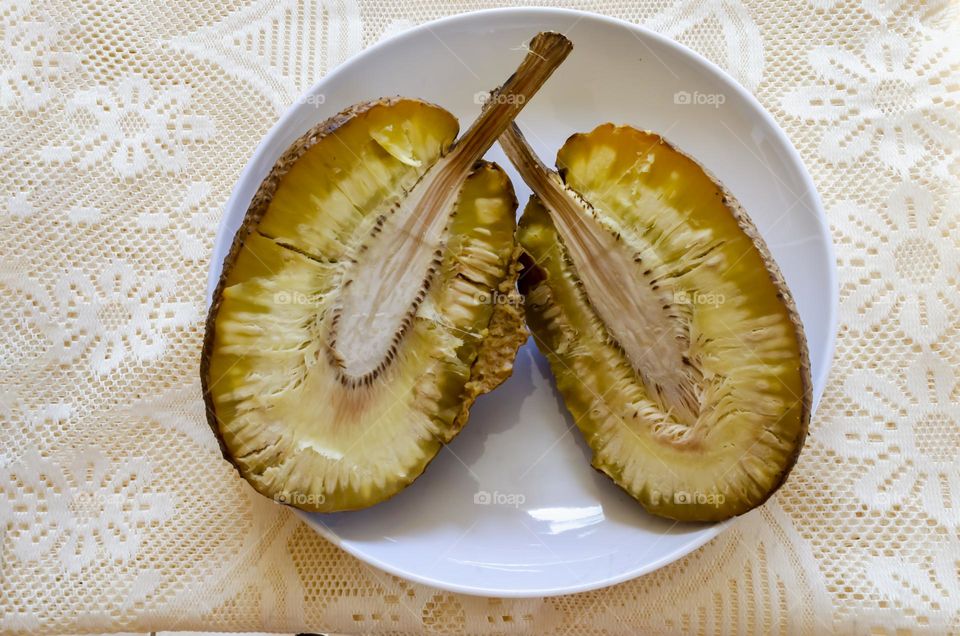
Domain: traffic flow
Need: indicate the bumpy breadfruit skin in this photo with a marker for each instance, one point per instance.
(600, 389)
(492, 364)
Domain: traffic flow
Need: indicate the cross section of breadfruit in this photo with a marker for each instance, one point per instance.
(669, 329)
(368, 299)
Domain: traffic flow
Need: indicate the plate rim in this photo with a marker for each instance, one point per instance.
(820, 375)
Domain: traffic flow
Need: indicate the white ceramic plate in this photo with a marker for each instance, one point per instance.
(552, 524)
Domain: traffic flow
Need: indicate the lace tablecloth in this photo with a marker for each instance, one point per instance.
(124, 128)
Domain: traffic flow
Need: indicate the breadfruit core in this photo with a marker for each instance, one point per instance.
(368, 299)
(668, 327)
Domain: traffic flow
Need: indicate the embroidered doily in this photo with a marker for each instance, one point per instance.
(124, 128)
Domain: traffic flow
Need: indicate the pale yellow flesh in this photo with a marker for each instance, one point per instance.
(300, 434)
(354, 325)
(294, 429)
(639, 312)
(395, 264)
(649, 216)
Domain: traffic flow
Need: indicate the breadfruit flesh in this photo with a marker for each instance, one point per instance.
(669, 329)
(368, 299)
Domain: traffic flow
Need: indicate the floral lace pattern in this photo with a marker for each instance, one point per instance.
(895, 99)
(116, 315)
(133, 126)
(124, 128)
(922, 246)
(31, 63)
(88, 508)
(907, 436)
(740, 44)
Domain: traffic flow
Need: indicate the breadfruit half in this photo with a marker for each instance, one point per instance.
(670, 331)
(368, 299)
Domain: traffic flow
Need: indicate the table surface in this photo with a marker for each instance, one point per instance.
(124, 129)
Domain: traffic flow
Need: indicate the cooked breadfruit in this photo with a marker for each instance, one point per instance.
(668, 327)
(368, 299)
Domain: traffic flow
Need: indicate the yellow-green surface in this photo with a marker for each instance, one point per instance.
(725, 301)
(294, 430)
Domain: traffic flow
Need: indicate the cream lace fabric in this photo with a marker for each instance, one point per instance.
(124, 128)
